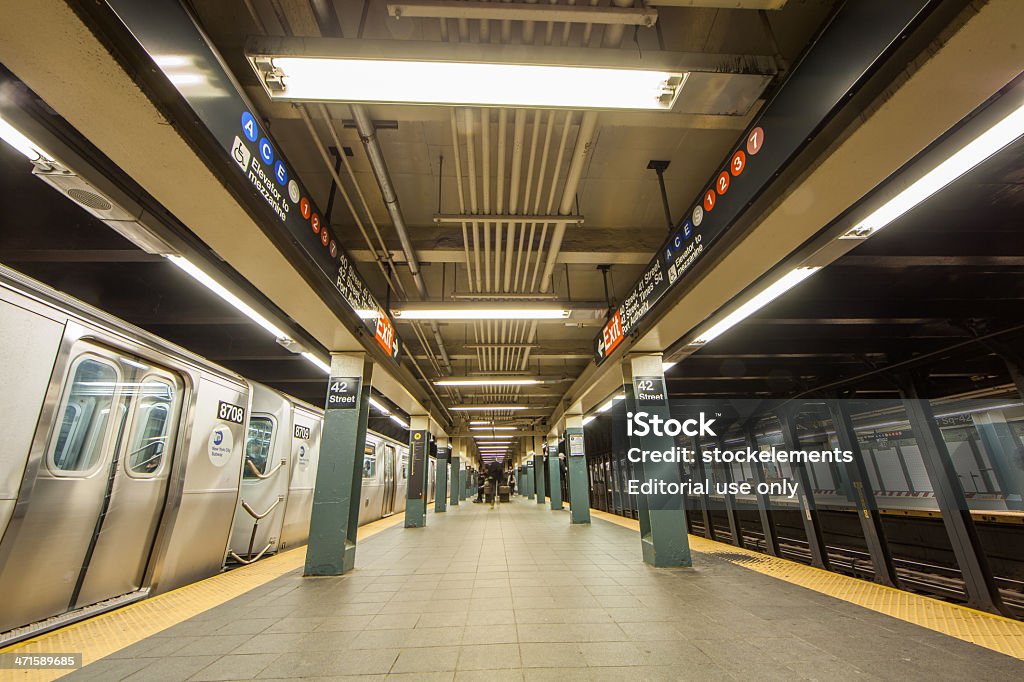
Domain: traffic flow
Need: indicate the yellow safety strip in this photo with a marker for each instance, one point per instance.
(987, 630)
(110, 632)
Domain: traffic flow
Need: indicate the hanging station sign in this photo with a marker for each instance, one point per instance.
(182, 51)
(856, 37)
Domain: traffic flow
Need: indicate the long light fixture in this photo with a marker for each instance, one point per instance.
(398, 420)
(494, 428)
(471, 313)
(241, 306)
(493, 381)
(763, 298)
(490, 436)
(589, 418)
(477, 408)
(478, 423)
(611, 402)
(380, 408)
(425, 81)
(323, 366)
(970, 155)
(23, 144)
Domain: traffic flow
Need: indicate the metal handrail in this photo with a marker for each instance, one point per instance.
(258, 517)
(253, 559)
(256, 472)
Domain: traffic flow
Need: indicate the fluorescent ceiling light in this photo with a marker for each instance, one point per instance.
(490, 436)
(398, 420)
(27, 147)
(467, 83)
(666, 366)
(763, 298)
(496, 381)
(589, 418)
(611, 401)
(973, 153)
(374, 403)
(481, 313)
(474, 423)
(494, 428)
(317, 361)
(468, 408)
(214, 286)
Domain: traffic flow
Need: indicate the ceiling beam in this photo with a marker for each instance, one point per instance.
(78, 256)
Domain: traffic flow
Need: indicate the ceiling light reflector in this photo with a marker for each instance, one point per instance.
(496, 381)
(481, 313)
(467, 83)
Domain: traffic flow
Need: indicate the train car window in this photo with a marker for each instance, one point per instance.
(257, 445)
(154, 406)
(405, 465)
(85, 416)
(369, 462)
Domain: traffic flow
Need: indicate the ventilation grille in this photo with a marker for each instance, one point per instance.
(90, 199)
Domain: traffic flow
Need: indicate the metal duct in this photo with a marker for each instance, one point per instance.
(368, 135)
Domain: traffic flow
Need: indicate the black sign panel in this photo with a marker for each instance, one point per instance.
(850, 44)
(343, 393)
(230, 413)
(650, 390)
(418, 464)
(178, 46)
(301, 432)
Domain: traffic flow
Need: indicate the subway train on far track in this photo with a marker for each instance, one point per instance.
(130, 466)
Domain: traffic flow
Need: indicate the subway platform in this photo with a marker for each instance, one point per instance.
(517, 593)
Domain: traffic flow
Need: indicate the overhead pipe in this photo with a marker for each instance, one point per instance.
(368, 136)
(580, 156)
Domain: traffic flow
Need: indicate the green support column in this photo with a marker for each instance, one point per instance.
(554, 474)
(441, 477)
(463, 482)
(663, 533)
(531, 479)
(576, 461)
(419, 467)
(455, 465)
(339, 477)
(538, 469)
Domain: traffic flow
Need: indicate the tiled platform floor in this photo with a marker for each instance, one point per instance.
(517, 593)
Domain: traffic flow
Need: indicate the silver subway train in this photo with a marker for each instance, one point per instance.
(130, 466)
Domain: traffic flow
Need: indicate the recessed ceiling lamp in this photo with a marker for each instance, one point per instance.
(357, 71)
(481, 313)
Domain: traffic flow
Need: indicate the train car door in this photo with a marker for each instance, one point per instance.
(81, 514)
(388, 492)
(126, 532)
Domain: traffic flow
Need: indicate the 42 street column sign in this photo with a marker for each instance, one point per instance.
(176, 44)
(854, 39)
